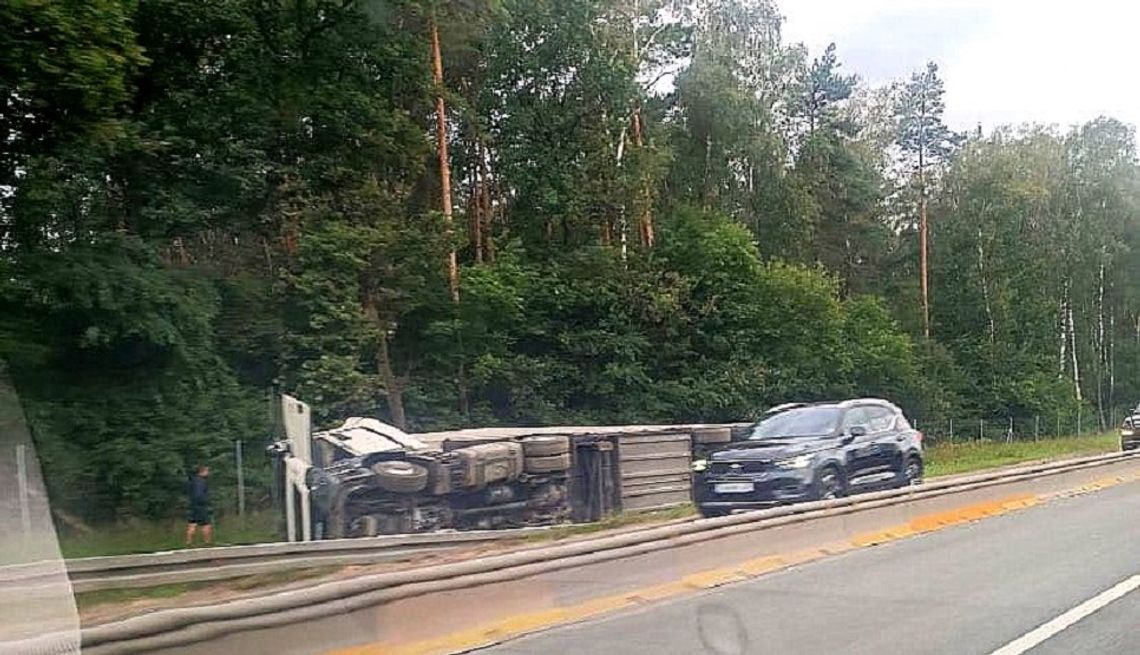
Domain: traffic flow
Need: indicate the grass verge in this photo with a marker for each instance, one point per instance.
(945, 458)
(89, 599)
(150, 536)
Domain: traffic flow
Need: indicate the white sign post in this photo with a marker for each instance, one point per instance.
(297, 419)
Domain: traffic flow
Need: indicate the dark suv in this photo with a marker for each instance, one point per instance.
(811, 452)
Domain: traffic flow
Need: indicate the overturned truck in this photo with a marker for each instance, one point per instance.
(366, 478)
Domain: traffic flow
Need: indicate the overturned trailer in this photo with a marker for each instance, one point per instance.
(366, 478)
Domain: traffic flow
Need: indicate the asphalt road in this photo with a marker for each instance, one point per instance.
(969, 589)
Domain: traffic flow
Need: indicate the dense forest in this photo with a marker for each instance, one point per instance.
(497, 212)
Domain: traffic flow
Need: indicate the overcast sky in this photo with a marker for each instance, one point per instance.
(1003, 61)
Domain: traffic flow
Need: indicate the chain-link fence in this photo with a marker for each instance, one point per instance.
(1019, 427)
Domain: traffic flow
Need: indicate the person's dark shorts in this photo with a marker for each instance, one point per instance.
(200, 515)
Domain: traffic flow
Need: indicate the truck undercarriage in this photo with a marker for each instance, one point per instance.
(367, 478)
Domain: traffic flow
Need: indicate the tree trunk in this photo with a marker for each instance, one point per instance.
(623, 228)
(486, 211)
(444, 159)
(1073, 351)
(645, 211)
(393, 386)
(705, 181)
(476, 210)
(445, 183)
(1112, 359)
(986, 297)
(922, 247)
(1063, 333)
(1101, 348)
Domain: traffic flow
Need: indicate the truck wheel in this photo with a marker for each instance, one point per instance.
(547, 463)
(400, 477)
(545, 445)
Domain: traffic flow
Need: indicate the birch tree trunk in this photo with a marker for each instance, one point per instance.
(1101, 348)
(986, 295)
(922, 245)
(1073, 351)
(1062, 333)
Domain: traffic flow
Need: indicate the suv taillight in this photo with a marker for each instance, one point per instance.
(920, 435)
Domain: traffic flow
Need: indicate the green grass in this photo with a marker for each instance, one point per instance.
(946, 458)
(150, 536)
(88, 599)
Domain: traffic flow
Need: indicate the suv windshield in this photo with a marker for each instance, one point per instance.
(805, 422)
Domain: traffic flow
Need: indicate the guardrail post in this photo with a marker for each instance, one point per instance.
(1036, 427)
(951, 429)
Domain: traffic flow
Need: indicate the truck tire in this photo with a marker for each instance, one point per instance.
(400, 477)
(547, 463)
(712, 435)
(545, 445)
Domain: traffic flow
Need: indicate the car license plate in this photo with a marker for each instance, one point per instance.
(733, 487)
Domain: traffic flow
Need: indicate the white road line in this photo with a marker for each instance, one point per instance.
(1046, 630)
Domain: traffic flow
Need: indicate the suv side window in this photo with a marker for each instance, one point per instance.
(855, 416)
(880, 419)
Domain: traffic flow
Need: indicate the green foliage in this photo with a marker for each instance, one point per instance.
(119, 378)
(64, 67)
(663, 212)
(921, 133)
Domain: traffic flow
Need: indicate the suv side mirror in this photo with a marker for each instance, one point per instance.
(858, 430)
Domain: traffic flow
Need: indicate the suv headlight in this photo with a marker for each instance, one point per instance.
(797, 462)
(700, 465)
(1126, 432)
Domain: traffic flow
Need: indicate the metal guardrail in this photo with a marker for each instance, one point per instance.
(221, 563)
(167, 628)
(151, 569)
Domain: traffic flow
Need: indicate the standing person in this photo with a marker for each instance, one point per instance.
(200, 513)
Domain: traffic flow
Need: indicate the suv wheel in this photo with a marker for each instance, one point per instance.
(911, 472)
(828, 484)
(710, 512)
